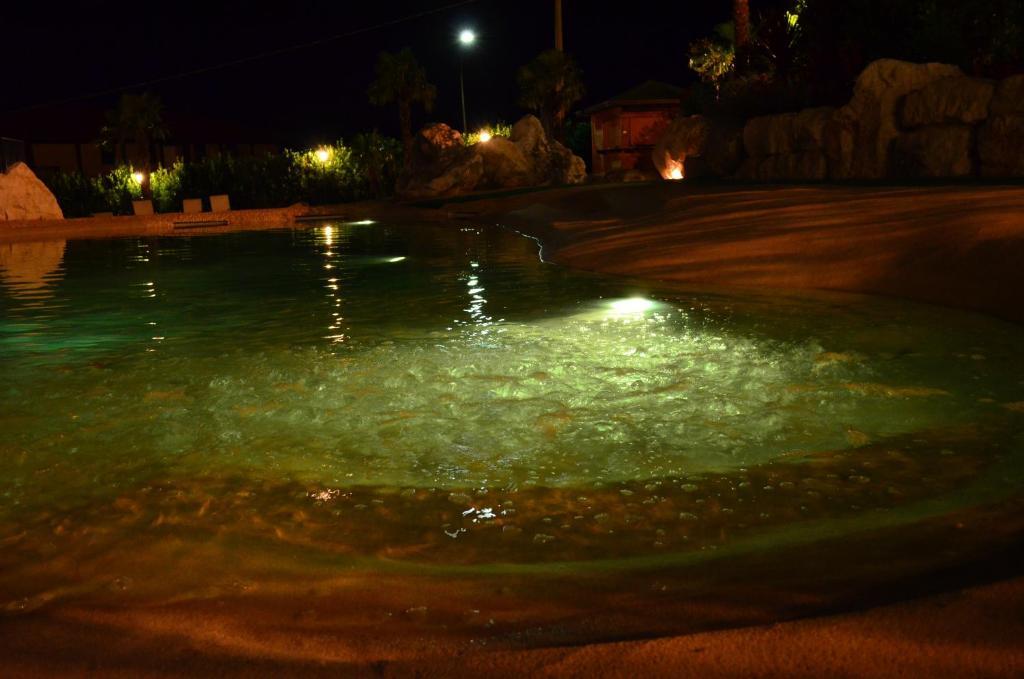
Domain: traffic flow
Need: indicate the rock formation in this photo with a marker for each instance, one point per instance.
(442, 165)
(23, 196)
(1001, 137)
(697, 146)
(904, 121)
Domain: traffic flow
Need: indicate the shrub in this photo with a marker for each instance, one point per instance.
(380, 159)
(499, 130)
(166, 187)
(77, 195)
(118, 189)
(330, 174)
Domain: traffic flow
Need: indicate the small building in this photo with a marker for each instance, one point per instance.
(624, 129)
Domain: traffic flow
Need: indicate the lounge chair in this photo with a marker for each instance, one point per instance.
(220, 203)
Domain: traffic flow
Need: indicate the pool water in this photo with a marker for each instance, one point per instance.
(384, 397)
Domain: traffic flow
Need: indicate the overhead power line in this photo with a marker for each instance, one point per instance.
(244, 60)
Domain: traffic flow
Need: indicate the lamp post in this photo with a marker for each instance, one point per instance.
(466, 40)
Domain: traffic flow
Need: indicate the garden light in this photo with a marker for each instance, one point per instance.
(485, 136)
(139, 177)
(323, 154)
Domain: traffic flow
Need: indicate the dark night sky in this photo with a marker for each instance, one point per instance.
(56, 51)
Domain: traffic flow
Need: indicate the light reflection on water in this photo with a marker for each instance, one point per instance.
(440, 395)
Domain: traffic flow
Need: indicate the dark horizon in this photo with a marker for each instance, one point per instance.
(318, 93)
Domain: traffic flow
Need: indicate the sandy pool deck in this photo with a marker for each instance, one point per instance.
(961, 246)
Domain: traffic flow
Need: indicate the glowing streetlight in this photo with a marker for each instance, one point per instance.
(323, 154)
(466, 39)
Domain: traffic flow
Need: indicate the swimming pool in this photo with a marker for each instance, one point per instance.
(288, 412)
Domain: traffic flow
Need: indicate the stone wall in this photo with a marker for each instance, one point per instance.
(23, 196)
(904, 121)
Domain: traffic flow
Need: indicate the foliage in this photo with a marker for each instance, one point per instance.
(118, 189)
(400, 79)
(380, 158)
(577, 138)
(76, 194)
(809, 52)
(367, 169)
(712, 60)
(137, 119)
(498, 130)
(550, 85)
(835, 41)
(165, 184)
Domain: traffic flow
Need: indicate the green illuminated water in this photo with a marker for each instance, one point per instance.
(438, 394)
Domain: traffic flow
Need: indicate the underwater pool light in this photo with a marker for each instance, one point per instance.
(392, 260)
(631, 306)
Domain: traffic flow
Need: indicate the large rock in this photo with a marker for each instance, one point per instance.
(439, 165)
(442, 165)
(859, 135)
(1009, 97)
(802, 166)
(565, 167)
(505, 165)
(23, 196)
(528, 135)
(701, 146)
(1001, 146)
(948, 100)
(787, 133)
(933, 151)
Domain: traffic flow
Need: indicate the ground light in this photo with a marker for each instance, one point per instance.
(485, 136)
(323, 154)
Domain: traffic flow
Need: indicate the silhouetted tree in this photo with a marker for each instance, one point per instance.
(401, 79)
(741, 31)
(137, 119)
(550, 85)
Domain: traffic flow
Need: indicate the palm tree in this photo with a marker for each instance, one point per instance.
(137, 120)
(401, 80)
(550, 85)
(741, 30)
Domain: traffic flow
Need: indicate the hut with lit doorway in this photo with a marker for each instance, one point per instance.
(624, 129)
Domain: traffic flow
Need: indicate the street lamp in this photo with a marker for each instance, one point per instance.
(466, 39)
